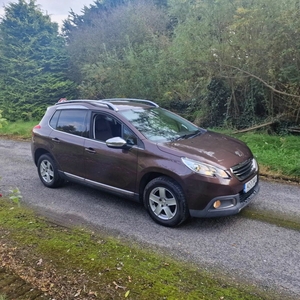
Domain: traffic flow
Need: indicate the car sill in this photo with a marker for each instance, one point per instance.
(101, 185)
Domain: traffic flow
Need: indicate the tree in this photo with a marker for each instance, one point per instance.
(117, 54)
(248, 48)
(86, 19)
(33, 62)
(229, 62)
(265, 61)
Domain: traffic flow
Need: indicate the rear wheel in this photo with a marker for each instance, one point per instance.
(48, 172)
(165, 202)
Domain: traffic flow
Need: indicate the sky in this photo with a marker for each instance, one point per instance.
(57, 9)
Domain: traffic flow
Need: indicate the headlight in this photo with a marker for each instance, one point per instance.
(254, 164)
(204, 169)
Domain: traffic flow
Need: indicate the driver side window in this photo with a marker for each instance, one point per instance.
(105, 127)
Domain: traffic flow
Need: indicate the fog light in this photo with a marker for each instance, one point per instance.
(217, 204)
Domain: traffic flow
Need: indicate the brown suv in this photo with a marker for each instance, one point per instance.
(136, 149)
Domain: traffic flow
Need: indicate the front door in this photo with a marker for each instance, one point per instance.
(112, 168)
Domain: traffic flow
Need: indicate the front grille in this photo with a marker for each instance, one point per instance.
(244, 169)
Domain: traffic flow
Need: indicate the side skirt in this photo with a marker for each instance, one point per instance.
(104, 187)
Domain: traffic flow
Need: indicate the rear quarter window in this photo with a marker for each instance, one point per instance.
(70, 121)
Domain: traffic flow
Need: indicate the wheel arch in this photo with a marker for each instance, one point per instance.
(146, 178)
(38, 153)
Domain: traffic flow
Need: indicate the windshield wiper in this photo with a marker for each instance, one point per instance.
(188, 135)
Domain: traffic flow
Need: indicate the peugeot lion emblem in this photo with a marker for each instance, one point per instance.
(238, 153)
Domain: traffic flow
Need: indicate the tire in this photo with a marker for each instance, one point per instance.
(165, 202)
(48, 172)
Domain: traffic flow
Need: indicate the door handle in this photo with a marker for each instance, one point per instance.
(56, 140)
(90, 150)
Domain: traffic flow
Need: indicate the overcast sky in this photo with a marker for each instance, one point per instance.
(57, 9)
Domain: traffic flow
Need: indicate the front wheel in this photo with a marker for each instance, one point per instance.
(48, 172)
(165, 202)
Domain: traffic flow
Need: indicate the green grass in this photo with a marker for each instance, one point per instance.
(278, 155)
(18, 129)
(103, 262)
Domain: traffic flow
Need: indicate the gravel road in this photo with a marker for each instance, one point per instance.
(243, 249)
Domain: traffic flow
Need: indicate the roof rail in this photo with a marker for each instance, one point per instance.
(131, 100)
(111, 106)
(74, 101)
(93, 102)
(107, 102)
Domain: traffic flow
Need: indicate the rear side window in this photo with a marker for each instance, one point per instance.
(71, 121)
(54, 119)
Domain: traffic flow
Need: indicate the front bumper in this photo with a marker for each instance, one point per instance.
(231, 205)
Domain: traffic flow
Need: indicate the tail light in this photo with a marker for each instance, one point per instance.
(35, 128)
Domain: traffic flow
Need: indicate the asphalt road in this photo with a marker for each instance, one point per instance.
(243, 249)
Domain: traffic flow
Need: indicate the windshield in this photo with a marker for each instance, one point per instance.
(160, 125)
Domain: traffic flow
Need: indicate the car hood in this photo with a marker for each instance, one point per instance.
(209, 147)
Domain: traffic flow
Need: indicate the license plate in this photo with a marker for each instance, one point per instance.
(250, 184)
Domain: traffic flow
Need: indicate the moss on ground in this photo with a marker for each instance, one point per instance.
(271, 218)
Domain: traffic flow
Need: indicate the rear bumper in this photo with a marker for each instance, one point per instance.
(231, 205)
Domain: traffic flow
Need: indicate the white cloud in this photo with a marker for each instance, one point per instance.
(57, 9)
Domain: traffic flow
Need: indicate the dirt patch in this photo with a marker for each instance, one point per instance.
(14, 287)
(23, 275)
(280, 179)
(14, 137)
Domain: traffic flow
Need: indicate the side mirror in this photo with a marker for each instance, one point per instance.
(116, 142)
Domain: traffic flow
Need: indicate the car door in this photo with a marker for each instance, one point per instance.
(67, 140)
(110, 168)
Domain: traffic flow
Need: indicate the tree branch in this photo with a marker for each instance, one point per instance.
(255, 127)
(262, 81)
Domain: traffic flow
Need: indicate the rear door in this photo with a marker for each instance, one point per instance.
(67, 139)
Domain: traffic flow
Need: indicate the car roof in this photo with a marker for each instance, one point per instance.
(115, 104)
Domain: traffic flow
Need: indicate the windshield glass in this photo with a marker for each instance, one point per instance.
(160, 125)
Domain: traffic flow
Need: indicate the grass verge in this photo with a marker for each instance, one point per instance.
(278, 155)
(66, 264)
(17, 130)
